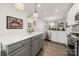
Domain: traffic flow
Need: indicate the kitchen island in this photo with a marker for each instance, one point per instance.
(22, 45)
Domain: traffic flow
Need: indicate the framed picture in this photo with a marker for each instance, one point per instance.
(14, 23)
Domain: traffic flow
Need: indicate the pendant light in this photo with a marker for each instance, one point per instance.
(35, 12)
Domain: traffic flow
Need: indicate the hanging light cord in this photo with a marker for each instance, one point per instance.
(35, 8)
(35, 12)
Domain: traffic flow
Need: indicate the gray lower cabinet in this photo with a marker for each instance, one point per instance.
(27, 47)
(22, 48)
(26, 51)
(35, 46)
(41, 41)
(13, 47)
(23, 51)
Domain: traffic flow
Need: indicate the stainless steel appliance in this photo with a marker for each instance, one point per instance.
(48, 35)
(72, 45)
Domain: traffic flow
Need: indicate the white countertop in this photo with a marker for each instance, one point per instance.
(7, 40)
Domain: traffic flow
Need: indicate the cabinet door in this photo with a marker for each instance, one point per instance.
(53, 36)
(60, 37)
(35, 46)
(17, 45)
(41, 41)
(26, 51)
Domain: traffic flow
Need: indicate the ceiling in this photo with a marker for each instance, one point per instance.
(49, 11)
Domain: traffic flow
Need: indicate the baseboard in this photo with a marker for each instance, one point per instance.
(39, 51)
(47, 40)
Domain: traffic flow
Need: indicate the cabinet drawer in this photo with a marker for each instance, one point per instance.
(35, 37)
(23, 51)
(26, 51)
(15, 46)
(41, 36)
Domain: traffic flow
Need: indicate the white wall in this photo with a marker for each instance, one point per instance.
(41, 25)
(10, 10)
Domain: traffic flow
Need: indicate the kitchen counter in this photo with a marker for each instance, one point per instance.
(57, 36)
(8, 40)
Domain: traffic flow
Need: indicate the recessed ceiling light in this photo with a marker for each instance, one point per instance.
(39, 5)
(56, 10)
(19, 6)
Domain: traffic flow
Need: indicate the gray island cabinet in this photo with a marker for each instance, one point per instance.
(26, 47)
(37, 43)
(21, 48)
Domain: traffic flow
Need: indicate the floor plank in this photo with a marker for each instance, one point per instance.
(52, 49)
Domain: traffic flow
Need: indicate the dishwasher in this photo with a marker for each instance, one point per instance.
(48, 35)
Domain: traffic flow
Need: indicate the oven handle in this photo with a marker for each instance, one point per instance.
(68, 35)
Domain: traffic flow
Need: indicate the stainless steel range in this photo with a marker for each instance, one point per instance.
(72, 45)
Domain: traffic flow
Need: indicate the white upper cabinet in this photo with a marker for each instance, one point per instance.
(71, 14)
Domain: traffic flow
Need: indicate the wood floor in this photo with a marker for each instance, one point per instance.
(52, 49)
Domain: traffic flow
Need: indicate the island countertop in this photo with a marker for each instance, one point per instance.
(8, 40)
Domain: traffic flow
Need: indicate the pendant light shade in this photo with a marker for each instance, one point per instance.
(35, 14)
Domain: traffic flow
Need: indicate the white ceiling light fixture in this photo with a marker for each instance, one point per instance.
(56, 10)
(35, 12)
(19, 6)
(38, 5)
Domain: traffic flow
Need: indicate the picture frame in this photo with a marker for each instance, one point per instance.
(14, 23)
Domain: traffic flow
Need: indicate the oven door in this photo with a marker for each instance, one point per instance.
(70, 50)
(70, 41)
(70, 46)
